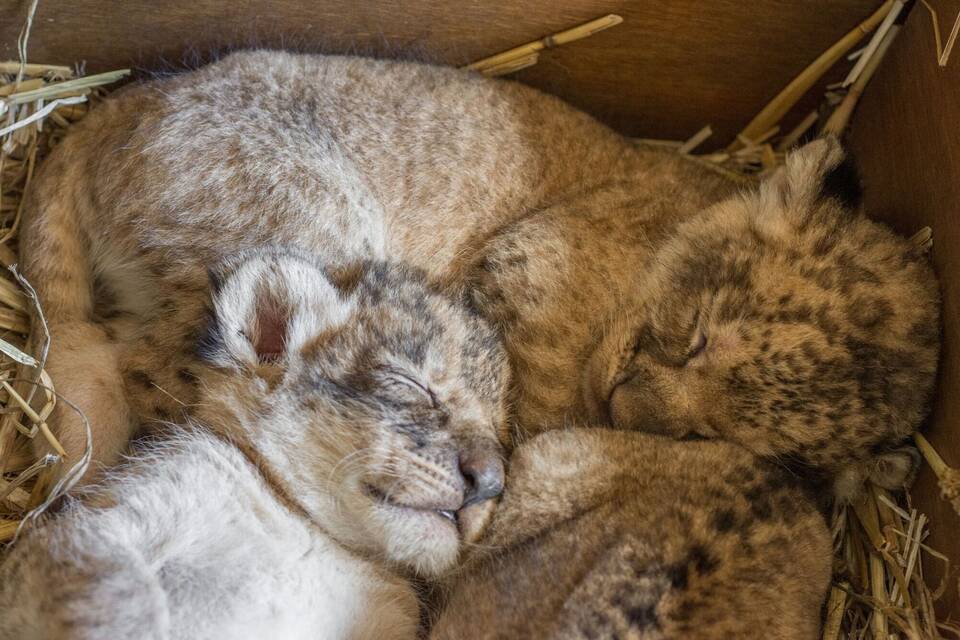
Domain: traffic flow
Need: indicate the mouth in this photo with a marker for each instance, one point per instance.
(448, 516)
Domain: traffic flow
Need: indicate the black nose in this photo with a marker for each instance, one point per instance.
(482, 470)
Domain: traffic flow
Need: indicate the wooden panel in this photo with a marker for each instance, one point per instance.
(668, 70)
(906, 137)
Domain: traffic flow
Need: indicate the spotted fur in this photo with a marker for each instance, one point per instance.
(592, 255)
(777, 318)
(347, 158)
(623, 535)
(327, 455)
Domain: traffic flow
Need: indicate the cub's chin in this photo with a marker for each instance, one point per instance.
(425, 540)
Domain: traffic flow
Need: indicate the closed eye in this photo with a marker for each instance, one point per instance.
(407, 381)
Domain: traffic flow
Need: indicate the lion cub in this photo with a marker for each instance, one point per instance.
(347, 434)
(780, 318)
(612, 534)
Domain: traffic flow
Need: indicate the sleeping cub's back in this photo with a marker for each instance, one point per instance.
(606, 534)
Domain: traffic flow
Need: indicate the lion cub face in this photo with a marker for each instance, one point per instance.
(783, 320)
(372, 401)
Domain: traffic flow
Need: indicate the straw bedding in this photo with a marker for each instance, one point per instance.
(879, 589)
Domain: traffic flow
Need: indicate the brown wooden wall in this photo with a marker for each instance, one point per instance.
(907, 140)
(669, 69)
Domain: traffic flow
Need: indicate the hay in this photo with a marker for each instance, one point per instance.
(943, 51)
(948, 479)
(37, 103)
(527, 55)
(799, 86)
(879, 588)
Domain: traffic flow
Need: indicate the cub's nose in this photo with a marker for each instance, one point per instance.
(482, 469)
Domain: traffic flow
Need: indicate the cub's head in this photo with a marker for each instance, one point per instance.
(782, 319)
(373, 402)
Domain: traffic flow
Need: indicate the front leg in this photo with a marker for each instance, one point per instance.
(84, 365)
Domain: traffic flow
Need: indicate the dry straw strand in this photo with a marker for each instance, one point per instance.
(874, 44)
(871, 61)
(696, 140)
(512, 66)
(527, 53)
(948, 478)
(791, 139)
(943, 52)
(24, 37)
(923, 240)
(784, 101)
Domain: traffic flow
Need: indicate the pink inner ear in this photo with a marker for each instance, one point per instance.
(271, 341)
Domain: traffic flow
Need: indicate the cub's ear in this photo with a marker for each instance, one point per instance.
(893, 470)
(817, 171)
(822, 169)
(896, 469)
(265, 306)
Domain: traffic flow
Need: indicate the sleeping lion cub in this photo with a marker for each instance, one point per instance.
(633, 287)
(347, 436)
(780, 318)
(612, 534)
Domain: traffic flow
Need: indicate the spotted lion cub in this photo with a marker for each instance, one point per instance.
(780, 318)
(347, 435)
(613, 534)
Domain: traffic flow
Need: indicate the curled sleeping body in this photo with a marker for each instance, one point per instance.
(348, 435)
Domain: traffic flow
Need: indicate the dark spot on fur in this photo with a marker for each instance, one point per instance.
(926, 332)
(686, 610)
(141, 378)
(825, 243)
(215, 280)
(869, 312)
(211, 342)
(678, 576)
(346, 278)
(724, 520)
(644, 617)
(704, 562)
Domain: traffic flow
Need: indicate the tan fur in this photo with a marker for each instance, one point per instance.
(352, 158)
(777, 318)
(340, 425)
(347, 158)
(622, 535)
(593, 256)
